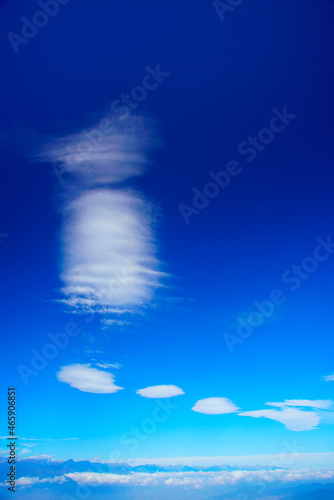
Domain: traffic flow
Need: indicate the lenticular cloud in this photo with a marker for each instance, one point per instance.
(109, 253)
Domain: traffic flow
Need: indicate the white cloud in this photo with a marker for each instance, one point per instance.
(114, 322)
(93, 157)
(109, 256)
(24, 451)
(109, 252)
(329, 378)
(160, 391)
(198, 479)
(294, 419)
(215, 406)
(320, 404)
(88, 379)
(109, 365)
(30, 481)
(201, 479)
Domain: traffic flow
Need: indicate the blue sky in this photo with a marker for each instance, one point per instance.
(103, 243)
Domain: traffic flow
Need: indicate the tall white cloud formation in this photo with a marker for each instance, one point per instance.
(109, 252)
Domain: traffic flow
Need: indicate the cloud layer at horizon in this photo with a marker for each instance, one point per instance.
(195, 480)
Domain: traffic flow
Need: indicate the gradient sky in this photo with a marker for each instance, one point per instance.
(225, 78)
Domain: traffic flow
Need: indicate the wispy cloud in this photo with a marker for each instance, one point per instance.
(292, 413)
(160, 391)
(94, 157)
(22, 438)
(114, 322)
(88, 379)
(30, 481)
(320, 404)
(215, 406)
(36, 456)
(329, 378)
(294, 419)
(24, 451)
(109, 365)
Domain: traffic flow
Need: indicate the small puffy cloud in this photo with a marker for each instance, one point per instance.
(319, 404)
(215, 406)
(88, 379)
(294, 419)
(329, 378)
(160, 391)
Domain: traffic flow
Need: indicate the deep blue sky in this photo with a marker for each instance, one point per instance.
(224, 80)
